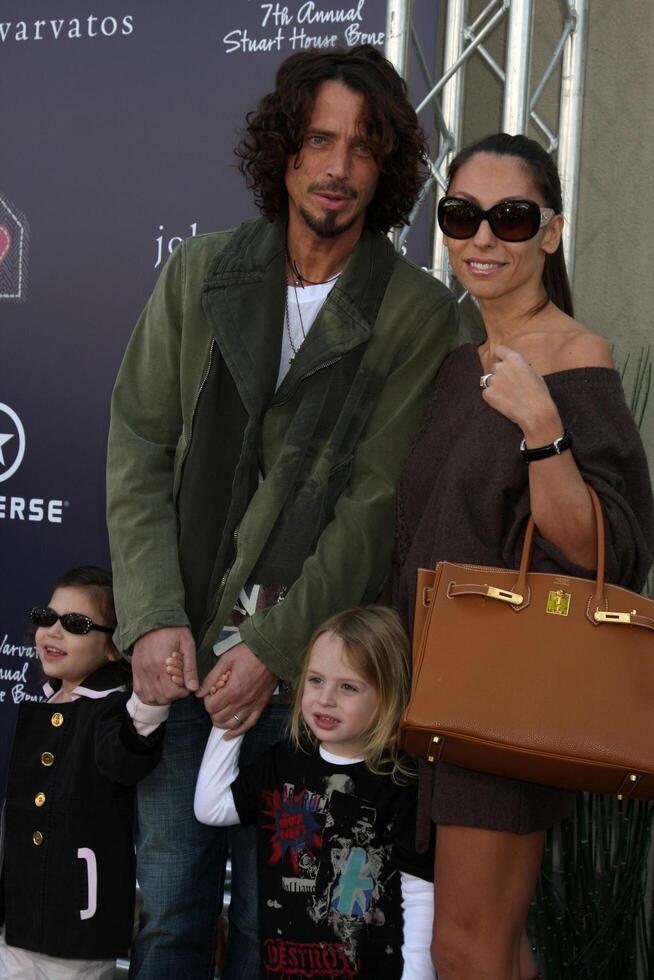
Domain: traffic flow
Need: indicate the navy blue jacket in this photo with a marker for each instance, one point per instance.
(69, 869)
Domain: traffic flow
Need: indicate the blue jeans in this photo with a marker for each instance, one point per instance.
(181, 863)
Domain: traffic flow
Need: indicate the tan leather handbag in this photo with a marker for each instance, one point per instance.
(534, 676)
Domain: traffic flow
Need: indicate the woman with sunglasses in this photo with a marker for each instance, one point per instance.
(68, 881)
(519, 424)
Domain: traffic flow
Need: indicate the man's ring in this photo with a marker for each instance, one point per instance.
(483, 381)
(236, 717)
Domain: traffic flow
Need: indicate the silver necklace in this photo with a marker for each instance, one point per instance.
(287, 321)
(301, 280)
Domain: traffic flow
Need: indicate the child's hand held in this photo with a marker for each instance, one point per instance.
(175, 667)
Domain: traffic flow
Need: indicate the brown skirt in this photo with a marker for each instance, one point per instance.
(463, 798)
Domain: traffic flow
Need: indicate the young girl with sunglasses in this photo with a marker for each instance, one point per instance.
(342, 892)
(519, 424)
(68, 878)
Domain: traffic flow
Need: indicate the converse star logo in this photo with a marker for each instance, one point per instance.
(12, 442)
(4, 437)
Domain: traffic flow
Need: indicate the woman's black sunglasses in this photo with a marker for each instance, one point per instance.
(511, 221)
(72, 622)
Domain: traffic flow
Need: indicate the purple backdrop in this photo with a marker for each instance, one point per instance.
(116, 136)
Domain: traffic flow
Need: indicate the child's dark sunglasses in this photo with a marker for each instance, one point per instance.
(72, 622)
(511, 221)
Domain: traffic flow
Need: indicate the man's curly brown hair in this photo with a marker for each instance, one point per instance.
(276, 129)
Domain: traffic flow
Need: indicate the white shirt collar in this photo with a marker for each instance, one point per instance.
(338, 760)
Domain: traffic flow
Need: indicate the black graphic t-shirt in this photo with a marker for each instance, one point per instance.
(332, 840)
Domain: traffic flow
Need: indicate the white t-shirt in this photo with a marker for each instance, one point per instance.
(304, 304)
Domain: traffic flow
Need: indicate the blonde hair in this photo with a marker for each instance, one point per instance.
(376, 645)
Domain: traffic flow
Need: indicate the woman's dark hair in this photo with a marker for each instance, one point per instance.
(99, 582)
(546, 178)
(276, 129)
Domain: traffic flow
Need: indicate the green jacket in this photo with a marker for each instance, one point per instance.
(196, 421)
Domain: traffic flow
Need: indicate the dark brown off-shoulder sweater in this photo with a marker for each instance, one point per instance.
(464, 497)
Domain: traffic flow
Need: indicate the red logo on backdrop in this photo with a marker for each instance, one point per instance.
(5, 242)
(13, 251)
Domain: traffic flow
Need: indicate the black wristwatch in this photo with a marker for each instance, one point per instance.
(542, 452)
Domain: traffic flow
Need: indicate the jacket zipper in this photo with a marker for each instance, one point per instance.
(228, 570)
(195, 406)
(309, 374)
(221, 587)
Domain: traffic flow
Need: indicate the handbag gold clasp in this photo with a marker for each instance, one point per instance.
(600, 616)
(504, 595)
(558, 603)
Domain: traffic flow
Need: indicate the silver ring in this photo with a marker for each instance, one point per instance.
(485, 378)
(236, 717)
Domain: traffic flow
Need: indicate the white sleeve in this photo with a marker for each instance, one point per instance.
(214, 802)
(418, 909)
(146, 717)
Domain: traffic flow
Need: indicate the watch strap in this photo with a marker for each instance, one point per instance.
(542, 452)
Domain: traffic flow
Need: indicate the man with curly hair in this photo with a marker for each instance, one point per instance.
(266, 401)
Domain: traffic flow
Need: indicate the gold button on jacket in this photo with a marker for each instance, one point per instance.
(37, 837)
(47, 758)
(57, 719)
(39, 799)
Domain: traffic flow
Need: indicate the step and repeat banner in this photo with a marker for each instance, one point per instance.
(118, 120)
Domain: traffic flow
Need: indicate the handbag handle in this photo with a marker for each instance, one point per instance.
(528, 547)
(597, 610)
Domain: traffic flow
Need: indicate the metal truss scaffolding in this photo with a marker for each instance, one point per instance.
(466, 38)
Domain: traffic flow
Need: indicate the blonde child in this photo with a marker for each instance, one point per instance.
(342, 892)
(68, 877)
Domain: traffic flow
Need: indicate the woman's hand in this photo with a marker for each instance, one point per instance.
(518, 392)
(560, 504)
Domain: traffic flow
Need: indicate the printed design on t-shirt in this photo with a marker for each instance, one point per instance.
(294, 834)
(353, 894)
(293, 959)
(329, 848)
(251, 599)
